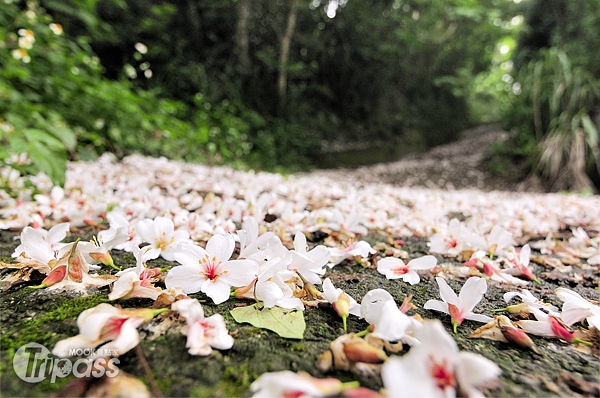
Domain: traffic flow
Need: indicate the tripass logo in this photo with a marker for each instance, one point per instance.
(33, 363)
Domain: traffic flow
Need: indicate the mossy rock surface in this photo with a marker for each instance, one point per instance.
(35, 316)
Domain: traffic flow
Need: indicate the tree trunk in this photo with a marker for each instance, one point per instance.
(242, 36)
(285, 51)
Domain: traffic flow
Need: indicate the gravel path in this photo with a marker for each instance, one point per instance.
(457, 165)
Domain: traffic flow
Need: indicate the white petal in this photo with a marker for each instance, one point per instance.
(573, 315)
(411, 277)
(185, 278)
(473, 369)
(478, 317)
(372, 304)
(330, 293)
(471, 293)
(63, 347)
(221, 247)
(238, 273)
(436, 305)
(524, 255)
(145, 229)
(404, 377)
(425, 262)
(392, 324)
(57, 232)
(219, 336)
(387, 264)
(446, 292)
(300, 243)
(269, 293)
(217, 290)
(163, 224)
(188, 255)
(190, 309)
(538, 328)
(124, 284)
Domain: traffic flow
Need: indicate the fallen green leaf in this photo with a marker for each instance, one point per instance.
(286, 323)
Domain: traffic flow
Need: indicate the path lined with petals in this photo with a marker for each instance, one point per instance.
(195, 217)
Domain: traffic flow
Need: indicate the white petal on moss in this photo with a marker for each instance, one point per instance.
(471, 293)
(446, 292)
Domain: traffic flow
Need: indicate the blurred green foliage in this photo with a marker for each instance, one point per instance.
(377, 71)
(55, 103)
(557, 94)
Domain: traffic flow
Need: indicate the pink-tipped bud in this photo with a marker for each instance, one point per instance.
(515, 335)
(361, 351)
(103, 258)
(561, 330)
(455, 315)
(74, 264)
(55, 276)
(471, 263)
(488, 269)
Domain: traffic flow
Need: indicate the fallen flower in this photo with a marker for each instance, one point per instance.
(342, 303)
(161, 235)
(40, 248)
(575, 308)
(202, 333)
(394, 268)
(460, 307)
(106, 323)
(548, 325)
(354, 249)
(519, 265)
(436, 368)
(137, 281)
(98, 249)
(210, 270)
(380, 310)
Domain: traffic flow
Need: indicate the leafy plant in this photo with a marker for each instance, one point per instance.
(561, 98)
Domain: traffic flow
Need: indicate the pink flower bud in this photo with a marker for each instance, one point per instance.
(55, 276)
(361, 351)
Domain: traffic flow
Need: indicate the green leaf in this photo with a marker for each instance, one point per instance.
(286, 323)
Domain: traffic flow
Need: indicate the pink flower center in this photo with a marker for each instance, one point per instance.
(112, 328)
(401, 270)
(443, 376)
(456, 313)
(349, 248)
(211, 267)
(451, 243)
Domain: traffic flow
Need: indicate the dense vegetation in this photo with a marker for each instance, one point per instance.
(270, 84)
